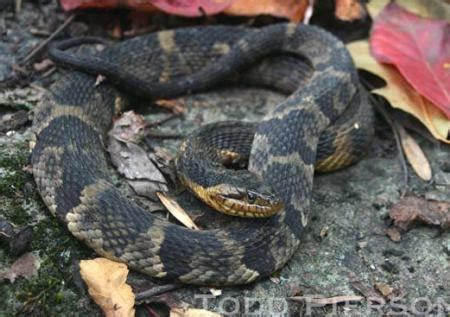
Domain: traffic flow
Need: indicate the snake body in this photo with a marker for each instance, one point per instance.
(74, 179)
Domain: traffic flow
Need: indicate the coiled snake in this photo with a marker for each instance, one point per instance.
(74, 179)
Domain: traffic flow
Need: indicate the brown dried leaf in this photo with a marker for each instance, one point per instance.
(130, 159)
(133, 162)
(384, 289)
(364, 289)
(192, 312)
(129, 127)
(294, 10)
(26, 266)
(106, 281)
(410, 210)
(43, 65)
(173, 105)
(177, 211)
(415, 155)
(393, 234)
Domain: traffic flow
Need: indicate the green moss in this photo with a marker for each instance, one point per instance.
(53, 291)
(14, 183)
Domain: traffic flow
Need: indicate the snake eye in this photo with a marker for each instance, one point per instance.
(251, 197)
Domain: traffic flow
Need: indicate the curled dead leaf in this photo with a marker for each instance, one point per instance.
(141, 173)
(129, 127)
(132, 160)
(393, 234)
(349, 10)
(188, 8)
(43, 65)
(176, 210)
(384, 289)
(294, 10)
(414, 154)
(411, 210)
(174, 105)
(106, 281)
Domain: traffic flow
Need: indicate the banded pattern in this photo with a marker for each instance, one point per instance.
(71, 171)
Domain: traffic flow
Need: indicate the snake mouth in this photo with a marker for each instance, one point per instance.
(261, 206)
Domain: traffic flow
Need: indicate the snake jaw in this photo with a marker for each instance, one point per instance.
(246, 203)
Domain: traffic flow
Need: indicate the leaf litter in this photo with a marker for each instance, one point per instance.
(177, 211)
(106, 281)
(142, 171)
(412, 210)
(415, 155)
(132, 160)
(26, 266)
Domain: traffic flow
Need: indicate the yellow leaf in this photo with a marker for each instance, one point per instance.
(106, 281)
(400, 93)
(426, 8)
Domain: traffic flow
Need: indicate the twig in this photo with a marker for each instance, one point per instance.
(30, 301)
(49, 72)
(47, 40)
(135, 32)
(18, 6)
(37, 88)
(409, 125)
(395, 129)
(157, 290)
(3, 30)
(38, 32)
(162, 121)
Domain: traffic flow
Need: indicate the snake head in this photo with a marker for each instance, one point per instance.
(252, 200)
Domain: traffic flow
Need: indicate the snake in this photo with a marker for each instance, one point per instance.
(77, 183)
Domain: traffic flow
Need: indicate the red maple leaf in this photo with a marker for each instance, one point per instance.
(419, 48)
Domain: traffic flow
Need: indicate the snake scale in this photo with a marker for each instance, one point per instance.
(73, 176)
